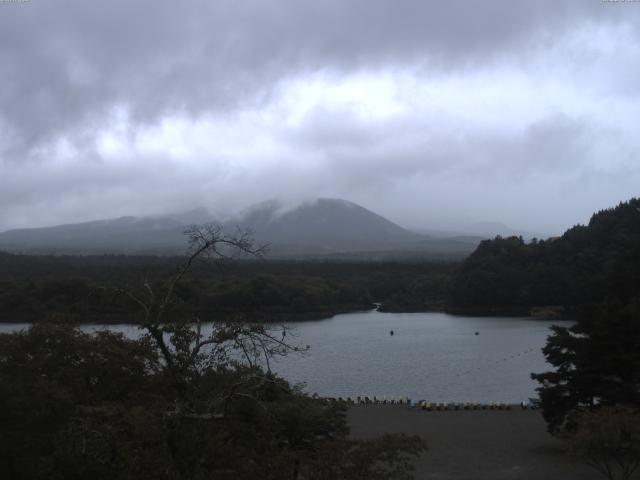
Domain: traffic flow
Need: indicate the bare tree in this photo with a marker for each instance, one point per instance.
(183, 346)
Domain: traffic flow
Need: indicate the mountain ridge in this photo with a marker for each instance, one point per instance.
(314, 227)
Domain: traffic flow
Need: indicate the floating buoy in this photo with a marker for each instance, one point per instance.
(477, 333)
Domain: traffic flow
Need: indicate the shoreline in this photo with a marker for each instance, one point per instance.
(285, 317)
(252, 317)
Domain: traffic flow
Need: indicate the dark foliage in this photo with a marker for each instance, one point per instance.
(587, 264)
(76, 406)
(597, 364)
(33, 288)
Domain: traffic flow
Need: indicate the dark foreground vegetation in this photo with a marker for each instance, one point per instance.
(176, 404)
(33, 288)
(77, 406)
(592, 397)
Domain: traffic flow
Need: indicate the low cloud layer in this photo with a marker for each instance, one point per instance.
(434, 114)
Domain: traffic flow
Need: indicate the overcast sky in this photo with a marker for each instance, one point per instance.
(432, 113)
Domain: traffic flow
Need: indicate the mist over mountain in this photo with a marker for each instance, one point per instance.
(324, 225)
(481, 230)
(318, 227)
(120, 235)
(489, 229)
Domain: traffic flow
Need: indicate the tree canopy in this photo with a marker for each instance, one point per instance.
(597, 363)
(587, 264)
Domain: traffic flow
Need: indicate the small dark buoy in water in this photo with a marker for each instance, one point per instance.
(477, 333)
(391, 333)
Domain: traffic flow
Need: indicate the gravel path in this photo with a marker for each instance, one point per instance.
(475, 445)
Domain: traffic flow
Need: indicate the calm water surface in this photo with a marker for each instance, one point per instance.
(431, 356)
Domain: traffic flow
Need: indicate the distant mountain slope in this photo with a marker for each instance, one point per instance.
(325, 224)
(125, 234)
(586, 264)
(319, 227)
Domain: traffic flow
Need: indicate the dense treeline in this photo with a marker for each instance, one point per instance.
(587, 264)
(33, 288)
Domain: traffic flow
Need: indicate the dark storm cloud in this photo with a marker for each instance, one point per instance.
(74, 72)
(66, 63)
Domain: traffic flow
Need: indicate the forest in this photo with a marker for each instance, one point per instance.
(587, 265)
(34, 288)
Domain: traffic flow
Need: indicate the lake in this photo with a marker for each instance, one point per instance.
(433, 356)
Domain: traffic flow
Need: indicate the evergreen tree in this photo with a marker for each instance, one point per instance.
(597, 363)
